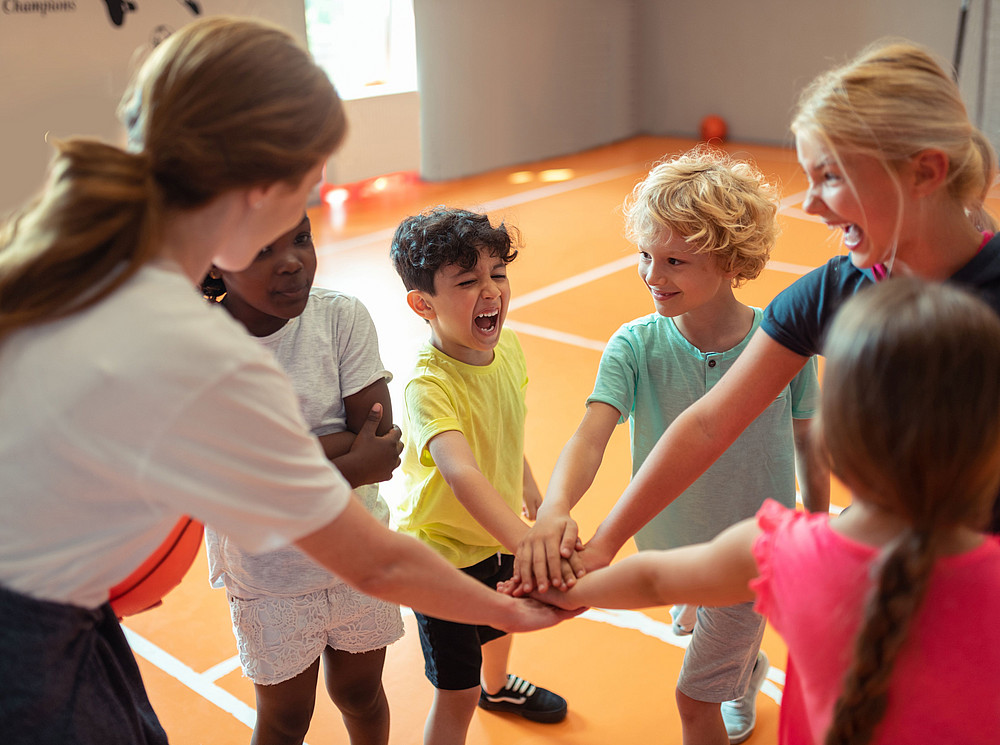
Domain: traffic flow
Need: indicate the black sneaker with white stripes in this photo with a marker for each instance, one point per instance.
(519, 696)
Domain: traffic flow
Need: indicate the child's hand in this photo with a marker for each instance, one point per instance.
(509, 587)
(514, 586)
(378, 455)
(547, 555)
(549, 597)
(529, 615)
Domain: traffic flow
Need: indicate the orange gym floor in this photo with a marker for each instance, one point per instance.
(573, 284)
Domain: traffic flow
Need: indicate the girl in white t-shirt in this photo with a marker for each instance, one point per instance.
(287, 611)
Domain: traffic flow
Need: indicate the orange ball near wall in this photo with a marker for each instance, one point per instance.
(713, 127)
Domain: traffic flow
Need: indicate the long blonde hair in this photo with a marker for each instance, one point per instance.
(894, 100)
(222, 104)
(911, 421)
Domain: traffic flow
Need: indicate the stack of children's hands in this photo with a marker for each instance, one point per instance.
(551, 596)
(549, 560)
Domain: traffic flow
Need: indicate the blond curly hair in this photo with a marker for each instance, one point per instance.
(716, 203)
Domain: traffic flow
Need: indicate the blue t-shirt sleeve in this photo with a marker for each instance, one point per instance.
(799, 316)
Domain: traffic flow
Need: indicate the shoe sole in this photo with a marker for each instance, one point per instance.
(542, 717)
(743, 738)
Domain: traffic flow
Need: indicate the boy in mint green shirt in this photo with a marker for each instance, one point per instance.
(703, 224)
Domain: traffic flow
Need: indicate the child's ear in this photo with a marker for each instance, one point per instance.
(420, 303)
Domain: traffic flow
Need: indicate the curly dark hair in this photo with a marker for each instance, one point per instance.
(441, 236)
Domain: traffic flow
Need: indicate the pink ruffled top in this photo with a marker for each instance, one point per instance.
(813, 585)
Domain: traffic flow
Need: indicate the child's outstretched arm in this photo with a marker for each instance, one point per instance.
(713, 573)
(812, 467)
(694, 440)
(457, 464)
(554, 538)
(368, 452)
(398, 568)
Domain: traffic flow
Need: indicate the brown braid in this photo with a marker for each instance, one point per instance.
(901, 586)
(930, 462)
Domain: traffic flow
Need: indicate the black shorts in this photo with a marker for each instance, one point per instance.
(452, 654)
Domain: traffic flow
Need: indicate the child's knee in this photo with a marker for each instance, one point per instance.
(693, 710)
(358, 700)
(285, 721)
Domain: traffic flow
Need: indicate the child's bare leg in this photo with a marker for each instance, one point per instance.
(495, 654)
(701, 722)
(285, 709)
(450, 715)
(354, 682)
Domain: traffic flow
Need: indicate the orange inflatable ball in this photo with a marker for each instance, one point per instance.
(160, 573)
(713, 127)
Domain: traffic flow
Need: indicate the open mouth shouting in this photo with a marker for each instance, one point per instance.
(852, 233)
(488, 322)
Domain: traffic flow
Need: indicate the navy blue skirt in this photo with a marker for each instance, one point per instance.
(67, 675)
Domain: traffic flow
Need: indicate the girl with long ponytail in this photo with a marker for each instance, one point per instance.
(126, 403)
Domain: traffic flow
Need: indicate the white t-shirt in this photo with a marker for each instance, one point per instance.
(120, 419)
(330, 351)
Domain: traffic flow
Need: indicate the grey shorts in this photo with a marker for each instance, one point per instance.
(722, 653)
(278, 638)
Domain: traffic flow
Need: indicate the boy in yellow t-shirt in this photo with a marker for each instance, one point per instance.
(466, 477)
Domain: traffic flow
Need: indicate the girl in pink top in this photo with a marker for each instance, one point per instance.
(889, 609)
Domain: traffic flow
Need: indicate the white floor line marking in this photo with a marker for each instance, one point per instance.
(553, 335)
(204, 685)
(222, 669)
(198, 683)
(575, 281)
(792, 200)
(542, 192)
(784, 266)
(627, 619)
(589, 276)
(361, 241)
(797, 213)
(787, 206)
(625, 262)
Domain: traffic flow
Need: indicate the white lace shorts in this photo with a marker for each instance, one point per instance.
(278, 638)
